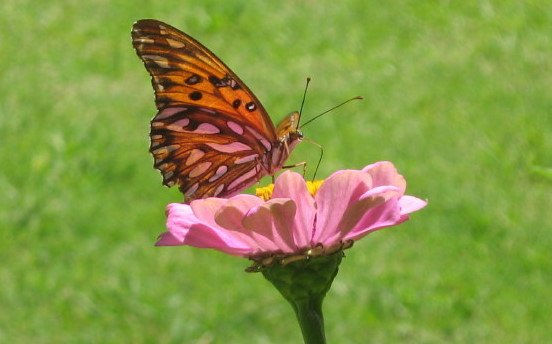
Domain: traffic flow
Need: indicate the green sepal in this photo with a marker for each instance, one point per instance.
(304, 283)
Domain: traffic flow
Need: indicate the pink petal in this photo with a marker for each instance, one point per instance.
(391, 213)
(257, 225)
(410, 204)
(271, 224)
(205, 209)
(184, 228)
(231, 214)
(357, 211)
(385, 173)
(292, 185)
(334, 197)
(384, 215)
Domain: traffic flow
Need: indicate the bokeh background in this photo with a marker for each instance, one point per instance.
(457, 95)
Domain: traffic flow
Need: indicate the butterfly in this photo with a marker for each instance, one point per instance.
(211, 135)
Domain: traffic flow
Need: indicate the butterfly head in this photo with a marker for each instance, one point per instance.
(288, 129)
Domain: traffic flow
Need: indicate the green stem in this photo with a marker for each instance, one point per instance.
(304, 284)
(311, 320)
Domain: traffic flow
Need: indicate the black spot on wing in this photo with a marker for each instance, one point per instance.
(250, 106)
(194, 79)
(224, 82)
(216, 81)
(196, 95)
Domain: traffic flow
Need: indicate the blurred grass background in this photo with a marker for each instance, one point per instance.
(457, 95)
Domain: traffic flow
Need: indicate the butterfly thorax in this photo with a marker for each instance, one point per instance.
(288, 137)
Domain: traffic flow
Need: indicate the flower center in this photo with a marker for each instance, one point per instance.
(265, 192)
(314, 186)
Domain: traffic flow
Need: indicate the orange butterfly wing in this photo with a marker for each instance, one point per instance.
(184, 72)
(211, 132)
(200, 151)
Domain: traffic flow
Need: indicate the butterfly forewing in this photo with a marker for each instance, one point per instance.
(185, 72)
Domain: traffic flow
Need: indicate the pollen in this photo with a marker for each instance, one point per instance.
(265, 192)
(314, 186)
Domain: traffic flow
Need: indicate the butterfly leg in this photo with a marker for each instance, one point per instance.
(302, 164)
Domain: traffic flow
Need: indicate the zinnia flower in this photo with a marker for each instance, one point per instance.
(348, 205)
(296, 231)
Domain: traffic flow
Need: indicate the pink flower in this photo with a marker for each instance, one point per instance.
(349, 205)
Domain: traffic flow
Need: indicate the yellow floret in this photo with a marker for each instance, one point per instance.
(265, 192)
(314, 186)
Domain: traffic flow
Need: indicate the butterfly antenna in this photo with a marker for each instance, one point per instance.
(304, 96)
(321, 154)
(335, 107)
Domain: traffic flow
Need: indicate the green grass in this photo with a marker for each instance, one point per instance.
(457, 95)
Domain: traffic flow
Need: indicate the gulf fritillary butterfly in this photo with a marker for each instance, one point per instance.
(211, 136)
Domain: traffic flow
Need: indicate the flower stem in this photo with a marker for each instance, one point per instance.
(304, 284)
(311, 320)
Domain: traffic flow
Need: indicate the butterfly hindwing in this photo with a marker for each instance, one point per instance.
(204, 152)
